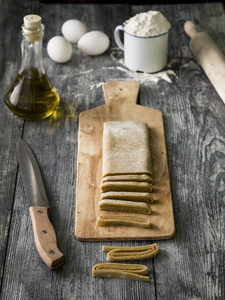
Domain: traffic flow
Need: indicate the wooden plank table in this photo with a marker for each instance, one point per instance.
(188, 266)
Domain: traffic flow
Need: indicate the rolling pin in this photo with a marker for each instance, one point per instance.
(209, 56)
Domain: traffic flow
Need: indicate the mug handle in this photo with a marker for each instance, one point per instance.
(117, 36)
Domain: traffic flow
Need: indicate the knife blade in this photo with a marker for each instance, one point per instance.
(39, 208)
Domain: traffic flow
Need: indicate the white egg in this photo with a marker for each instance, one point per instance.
(73, 30)
(93, 43)
(59, 49)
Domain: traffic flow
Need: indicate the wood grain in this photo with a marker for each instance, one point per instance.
(120, 97)
(188, 266)
(11, 128)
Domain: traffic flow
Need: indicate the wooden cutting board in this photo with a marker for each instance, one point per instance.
(121, 98)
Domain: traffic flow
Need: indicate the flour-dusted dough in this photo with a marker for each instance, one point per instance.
(131, 196)
(126, 148)
(126, 186)
(125, 206)
(128, 177)
(126, 173)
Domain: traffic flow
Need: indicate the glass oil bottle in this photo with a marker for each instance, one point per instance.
(32, 96)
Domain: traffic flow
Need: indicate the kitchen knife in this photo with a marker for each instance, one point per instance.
(44, 233)
(209, 56)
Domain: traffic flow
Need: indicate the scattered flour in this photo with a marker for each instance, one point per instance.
(143, 78)
(96, 85)
(146, 77)
(140, 77)
(147, 24)
(117, 55)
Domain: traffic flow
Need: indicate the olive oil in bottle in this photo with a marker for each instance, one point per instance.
(32, 96)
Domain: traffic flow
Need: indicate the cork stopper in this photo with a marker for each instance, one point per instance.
(32, 28)
(32, 21)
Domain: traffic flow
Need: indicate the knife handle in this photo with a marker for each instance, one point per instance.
(45, 237)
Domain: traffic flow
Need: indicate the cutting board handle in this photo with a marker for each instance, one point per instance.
(123, 91)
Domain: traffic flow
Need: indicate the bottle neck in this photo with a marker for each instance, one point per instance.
(31, 47)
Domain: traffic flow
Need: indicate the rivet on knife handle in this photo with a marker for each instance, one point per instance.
(45, 237)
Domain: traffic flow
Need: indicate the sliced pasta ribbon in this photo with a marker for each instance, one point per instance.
(127, 271)
(131, 253)
(128, 177)
(130, 196)
(123, 220)
(125, 206)
(126, 186)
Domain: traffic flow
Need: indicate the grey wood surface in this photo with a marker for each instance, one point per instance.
(189, 266)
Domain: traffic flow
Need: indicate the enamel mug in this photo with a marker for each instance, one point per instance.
(145, 54)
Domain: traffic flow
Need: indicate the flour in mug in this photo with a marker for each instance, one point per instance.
(151, 23)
